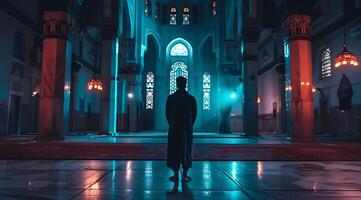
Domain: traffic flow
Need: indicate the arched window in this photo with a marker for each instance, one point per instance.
(148, 8)
(173, 16)
(213, 9)
(326, 64)
(149, 101)
(19, 46)
(179, 50)
(186, 16)
(177, 69)
(206, 91)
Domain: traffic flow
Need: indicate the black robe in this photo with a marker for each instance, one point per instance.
(181, 114)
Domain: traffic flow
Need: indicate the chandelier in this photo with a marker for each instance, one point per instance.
(95, 84)
(345, 57)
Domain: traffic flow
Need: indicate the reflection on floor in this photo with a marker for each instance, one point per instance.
(199, 138)
(149, 180)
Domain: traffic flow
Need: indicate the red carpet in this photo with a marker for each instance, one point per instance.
(99, 151)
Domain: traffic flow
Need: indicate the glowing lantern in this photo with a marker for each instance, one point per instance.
(95, 84)
(346, 58)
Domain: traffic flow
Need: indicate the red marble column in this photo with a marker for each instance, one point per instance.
(299, 74)
(55, 76)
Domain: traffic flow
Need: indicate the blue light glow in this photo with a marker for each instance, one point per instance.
(206, 91)
(179, 50)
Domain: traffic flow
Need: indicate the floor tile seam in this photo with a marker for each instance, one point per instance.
(44, 170)
(96, 181)
(311, 190)
(157, 190)
(236, 183)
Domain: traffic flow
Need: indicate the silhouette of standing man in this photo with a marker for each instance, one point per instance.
(181, 114)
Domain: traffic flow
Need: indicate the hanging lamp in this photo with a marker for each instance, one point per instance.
(345, 57)
(95, 84)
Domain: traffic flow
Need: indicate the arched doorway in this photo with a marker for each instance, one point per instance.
(179, 58)
(178, 55)
(209, 84)
(178, 68)
(150, 81)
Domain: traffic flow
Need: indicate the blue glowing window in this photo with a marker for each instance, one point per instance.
(148, 8)
(186, 16)
(206, 91)
(326, 63)
(213, 7)
(150, 91)
(179, 50)
(157, 11)
(177, 69)
(173, 16)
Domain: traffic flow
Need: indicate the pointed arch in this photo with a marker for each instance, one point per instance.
(179, 41)
(129, 11)
(179, 68)
(179, 50)
(156, 40)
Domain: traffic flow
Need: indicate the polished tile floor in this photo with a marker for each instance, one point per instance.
(68, 179)
(161, 138)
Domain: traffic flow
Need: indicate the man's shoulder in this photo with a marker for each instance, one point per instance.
(171, 96)
(191, 97)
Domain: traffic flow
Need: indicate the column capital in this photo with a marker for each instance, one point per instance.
(298, 27)
(56, 24)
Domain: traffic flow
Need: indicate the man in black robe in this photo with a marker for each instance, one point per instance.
(181, 114)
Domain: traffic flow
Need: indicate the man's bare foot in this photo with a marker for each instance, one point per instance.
(186, 179)
(174, 178)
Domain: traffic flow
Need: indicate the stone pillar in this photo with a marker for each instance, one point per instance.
(74, 82)
(123, 103)
(55, 76)
(134, 88)
(109, 74)
(110, 23)
(131, 99)
(250, 82)
(131, 90)
(298, 60)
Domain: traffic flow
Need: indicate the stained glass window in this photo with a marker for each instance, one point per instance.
(157, 11)
(179, 50)
(150, 91)
(213, 7)
(186, 16)
(173, 16)
(326, 63)
(177, 69)
(206, 91)
(148, 8)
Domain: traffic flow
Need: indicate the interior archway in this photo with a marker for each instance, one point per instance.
(149, 83)
(179, 59)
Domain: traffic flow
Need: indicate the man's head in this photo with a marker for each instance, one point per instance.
(181, 82)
